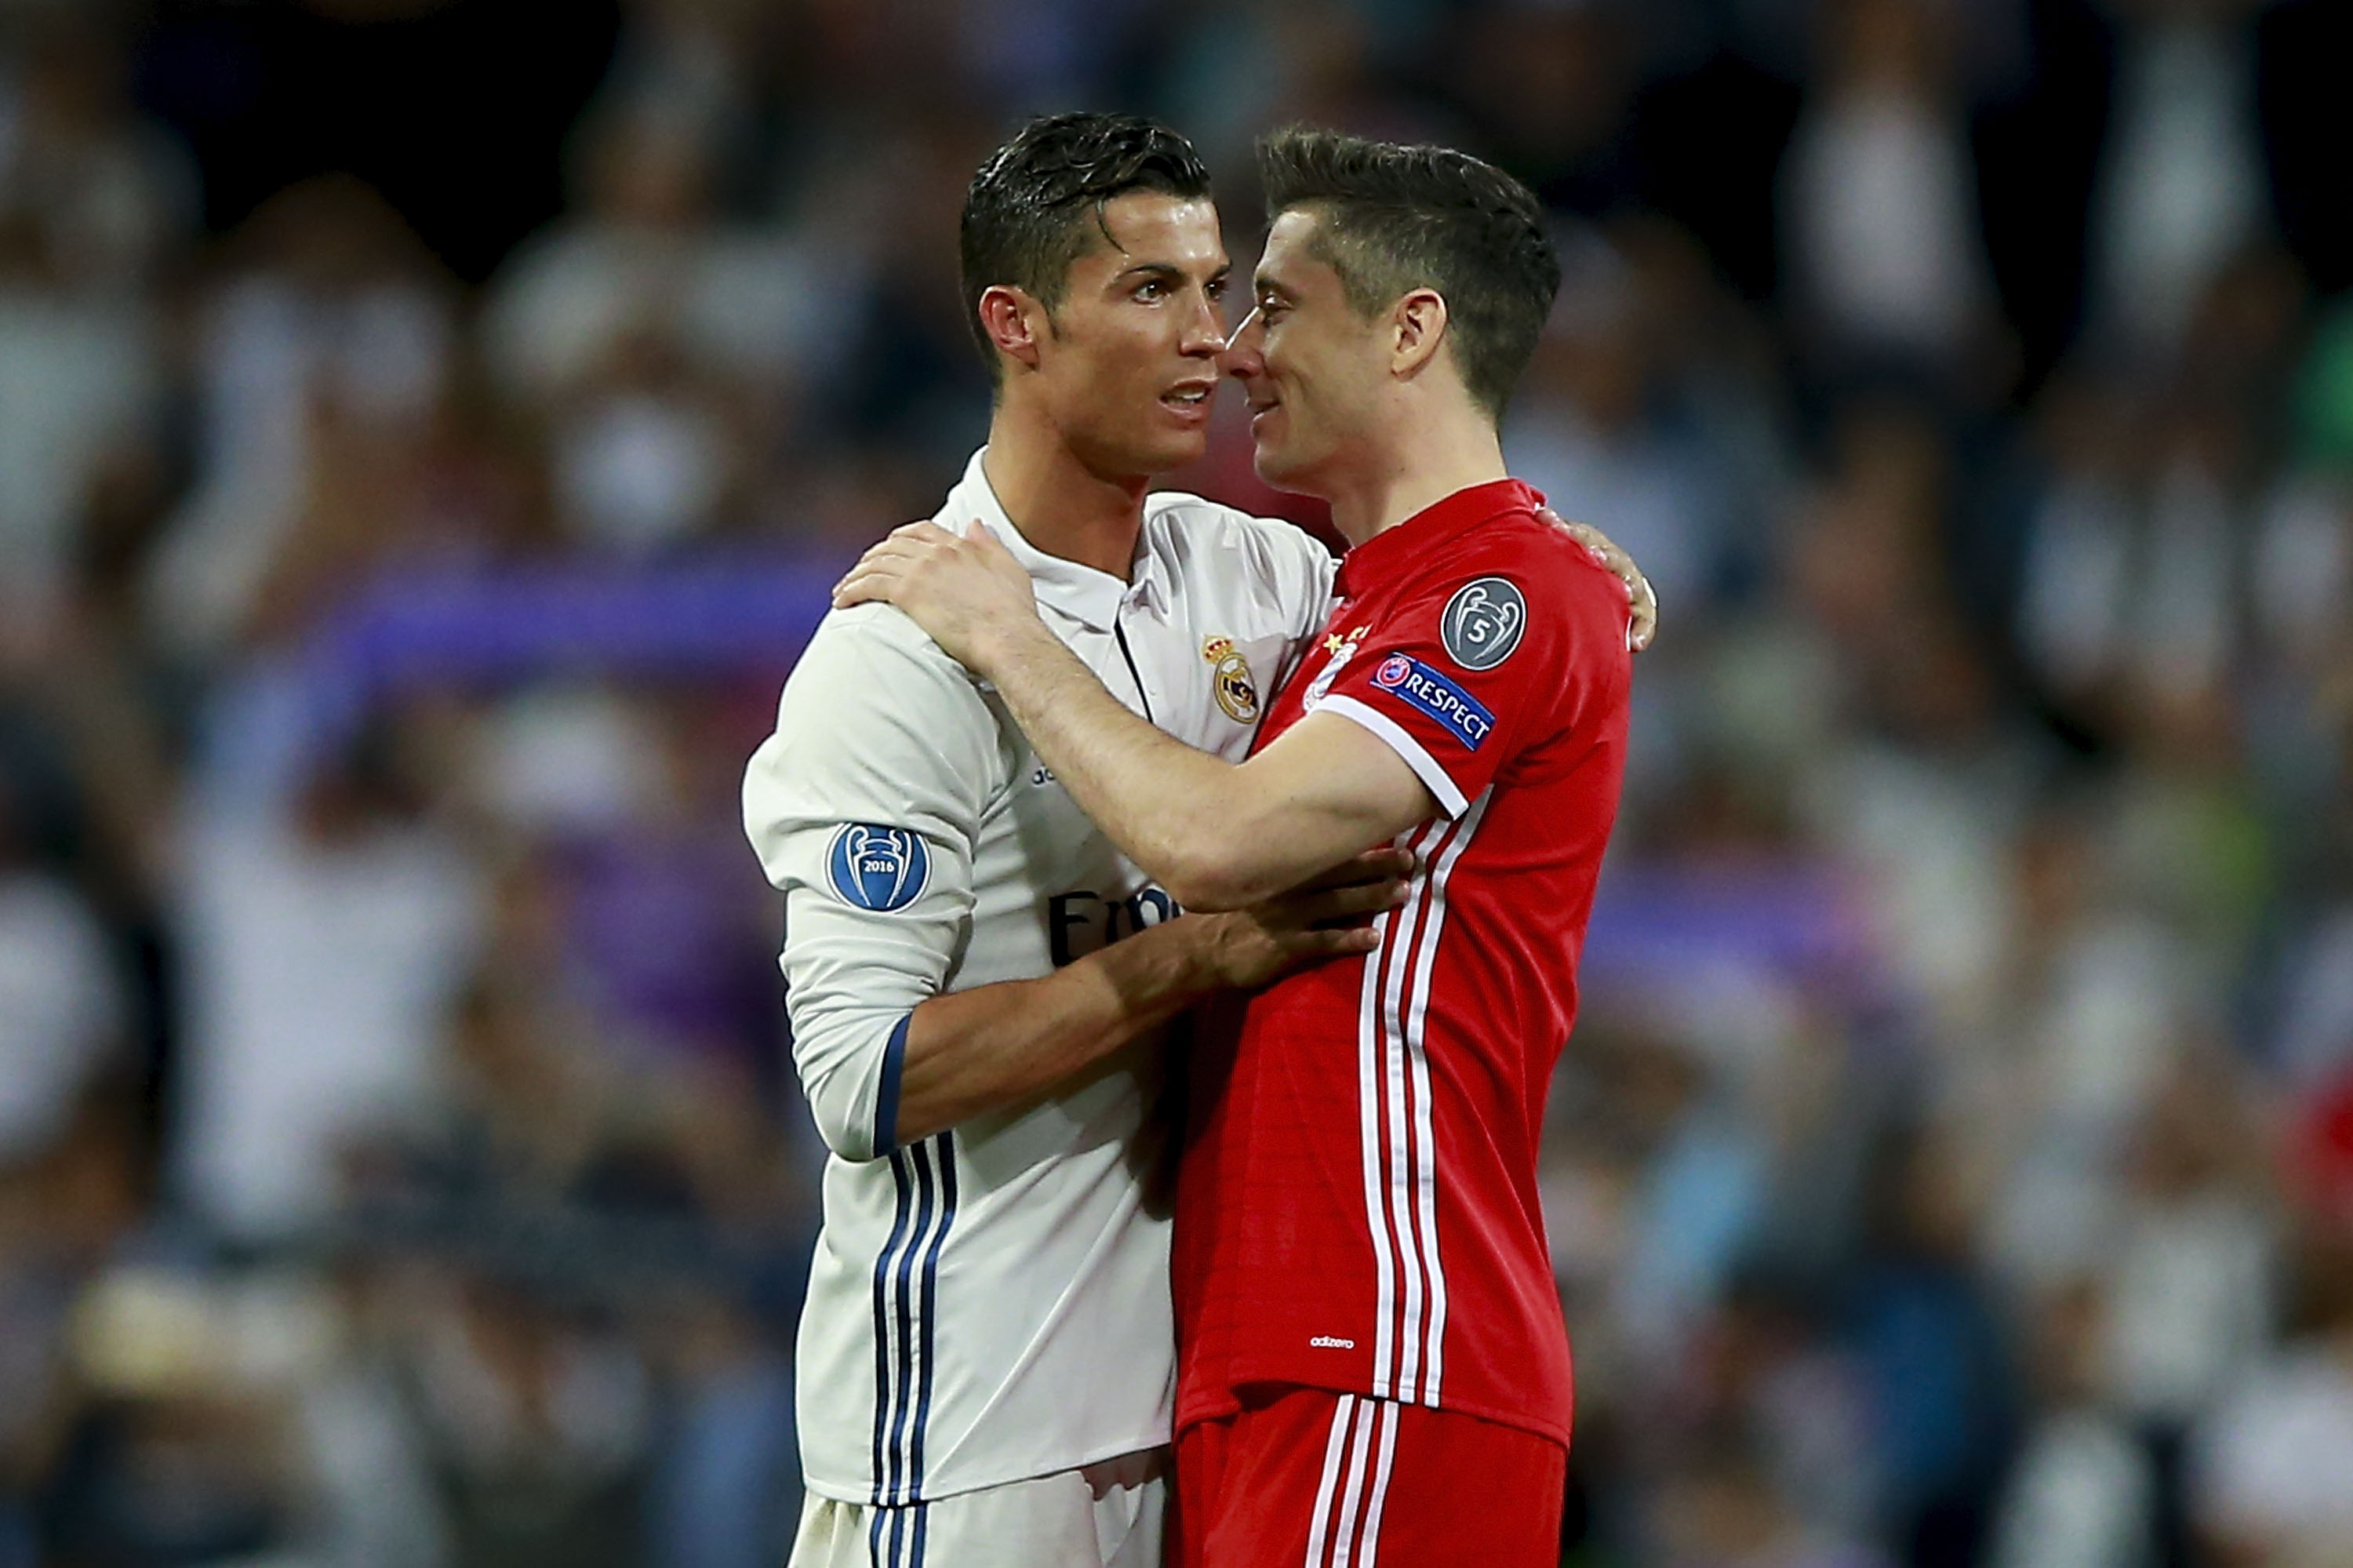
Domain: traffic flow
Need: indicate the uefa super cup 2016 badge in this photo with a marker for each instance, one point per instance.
(1230, 680)
(877, 868)
(1482, 623)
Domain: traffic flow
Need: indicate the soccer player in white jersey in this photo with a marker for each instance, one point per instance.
(986, 1358)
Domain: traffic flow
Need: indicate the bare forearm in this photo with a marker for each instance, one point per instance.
(1218, 836)
(995, 1047)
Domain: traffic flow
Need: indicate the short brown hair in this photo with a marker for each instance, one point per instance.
(1397, 218)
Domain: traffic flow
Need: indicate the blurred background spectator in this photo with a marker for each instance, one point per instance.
(427, 428)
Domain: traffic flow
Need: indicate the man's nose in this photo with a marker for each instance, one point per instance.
(1205, 332)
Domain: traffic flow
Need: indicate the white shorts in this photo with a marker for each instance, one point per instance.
(1105, 1516)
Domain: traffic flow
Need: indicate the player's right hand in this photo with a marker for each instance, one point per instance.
(1329, 916)
(1642, 598)
(965, 589)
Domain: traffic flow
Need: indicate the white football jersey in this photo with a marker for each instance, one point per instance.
(991, 1304)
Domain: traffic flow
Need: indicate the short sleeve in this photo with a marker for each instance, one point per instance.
(863, 808)
(1474, 671)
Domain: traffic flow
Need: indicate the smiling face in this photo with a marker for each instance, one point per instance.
(1127, 359)
(1313, 370)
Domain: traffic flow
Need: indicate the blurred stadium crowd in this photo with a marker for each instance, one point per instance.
(398, 1163)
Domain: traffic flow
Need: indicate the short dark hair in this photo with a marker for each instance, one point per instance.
(1397, 218)
(1026, 217)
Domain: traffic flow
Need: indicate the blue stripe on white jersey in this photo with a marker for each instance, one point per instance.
(901, 1324)
(882, 1308)
(906, 1292)
(929, 1313)
(895, 1536)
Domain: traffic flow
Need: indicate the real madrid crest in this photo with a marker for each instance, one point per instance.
(1230, 680)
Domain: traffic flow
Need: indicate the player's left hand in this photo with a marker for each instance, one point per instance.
(963, 589)
(1641, 600)
(1329, 916)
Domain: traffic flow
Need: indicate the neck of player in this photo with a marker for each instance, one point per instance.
(1062, 506)
(1428, 450)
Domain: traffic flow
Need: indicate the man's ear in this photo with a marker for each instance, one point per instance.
(1015, 321)
(1418, 321)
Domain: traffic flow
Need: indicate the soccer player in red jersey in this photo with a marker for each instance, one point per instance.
(1372, 1355)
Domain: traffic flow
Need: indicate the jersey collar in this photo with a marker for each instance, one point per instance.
(1387, 554)
(1092, 598)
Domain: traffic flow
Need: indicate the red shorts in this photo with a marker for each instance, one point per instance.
(1305, 1477)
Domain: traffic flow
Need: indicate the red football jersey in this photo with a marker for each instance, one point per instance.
(1357, 1203)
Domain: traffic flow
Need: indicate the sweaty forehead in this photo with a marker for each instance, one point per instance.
(1152, 228)
(1292, 259)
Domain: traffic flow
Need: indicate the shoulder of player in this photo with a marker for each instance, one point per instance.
(871, 691)
(1542, 561)
(1559, 584)
(880, 639)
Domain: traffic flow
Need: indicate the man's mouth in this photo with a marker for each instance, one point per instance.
(1188, 394)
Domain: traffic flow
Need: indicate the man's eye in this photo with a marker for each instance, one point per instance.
(1217, 287)
(1150, 292)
